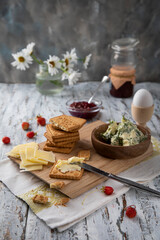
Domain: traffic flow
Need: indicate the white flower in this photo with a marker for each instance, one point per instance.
(86, 60)
(53, 64)
(73, 77)
(69, 58)
(73, 55)
(29, 49)
(66, 74)
(22, 60)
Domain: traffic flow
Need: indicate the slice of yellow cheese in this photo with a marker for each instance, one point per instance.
(11, 154)
(16, 150)
(31, 168)
(44, 155)
(31, 157)
(36, 160)
(25, 162)
(29, 151)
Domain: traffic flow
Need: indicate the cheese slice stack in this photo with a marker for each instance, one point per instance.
(31, 157)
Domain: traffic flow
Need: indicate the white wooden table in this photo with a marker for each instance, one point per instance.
(21, 102)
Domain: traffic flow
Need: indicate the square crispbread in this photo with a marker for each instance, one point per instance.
(57, 185)
(58, 149)
(74, 175)
(61, 140)
(57, 128)
(62, 145)
(69, 139)
(68, 123)
(59, 133)
(84, 154)
(49, 137)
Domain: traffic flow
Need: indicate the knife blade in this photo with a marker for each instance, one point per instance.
(117, 178)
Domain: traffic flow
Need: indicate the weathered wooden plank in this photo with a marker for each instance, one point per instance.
(13, 214)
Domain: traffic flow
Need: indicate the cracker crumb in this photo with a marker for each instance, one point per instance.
(57, 185)
(40, 199)
(84, 154)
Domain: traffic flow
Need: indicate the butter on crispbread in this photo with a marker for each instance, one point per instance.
(67, 123)
(74, 175)
(58, 149)
(59, 133)
(63, 169)
(84, 154)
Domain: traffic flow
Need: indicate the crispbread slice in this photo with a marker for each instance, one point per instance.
(67, 123)
(57, 128)
(59, 133)
(61, 140)
(74, 175)
(49, 137)
(57, 185)
(71, 139)
(84, 154)
(57, 149)
(51, 144)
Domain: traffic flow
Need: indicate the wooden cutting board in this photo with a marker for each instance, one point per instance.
(74, 188)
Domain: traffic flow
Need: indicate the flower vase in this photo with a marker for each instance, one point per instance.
(47, 84)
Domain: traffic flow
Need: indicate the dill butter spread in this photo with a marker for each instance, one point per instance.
(65, 166)
(123, 134)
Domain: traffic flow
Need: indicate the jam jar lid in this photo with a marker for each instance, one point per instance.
(125, 44)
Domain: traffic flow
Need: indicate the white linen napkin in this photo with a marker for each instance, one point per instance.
(25, 185)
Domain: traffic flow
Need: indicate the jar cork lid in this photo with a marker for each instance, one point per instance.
(120, 77)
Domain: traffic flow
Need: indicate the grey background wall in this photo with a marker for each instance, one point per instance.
(88, 25)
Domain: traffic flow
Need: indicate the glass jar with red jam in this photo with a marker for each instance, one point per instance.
(122, 72)
(81, 108)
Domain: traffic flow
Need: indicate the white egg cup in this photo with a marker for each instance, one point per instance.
(142, 114)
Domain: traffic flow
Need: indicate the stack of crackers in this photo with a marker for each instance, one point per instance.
(62, 133)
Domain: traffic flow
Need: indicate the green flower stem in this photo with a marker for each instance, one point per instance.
(63, 69)
(56, 83)
(81, 59)
(36, 60)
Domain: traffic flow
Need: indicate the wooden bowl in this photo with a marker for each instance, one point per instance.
(118, 152)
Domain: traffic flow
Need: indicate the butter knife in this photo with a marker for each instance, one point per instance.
(117, 178)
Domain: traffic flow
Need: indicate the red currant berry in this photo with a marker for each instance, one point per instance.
(25, 125)
(41, 121)
(107, 190)
(30, 134)
(131, 211)
(6, 140)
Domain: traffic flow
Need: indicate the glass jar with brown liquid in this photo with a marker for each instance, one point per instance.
(122, 72)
